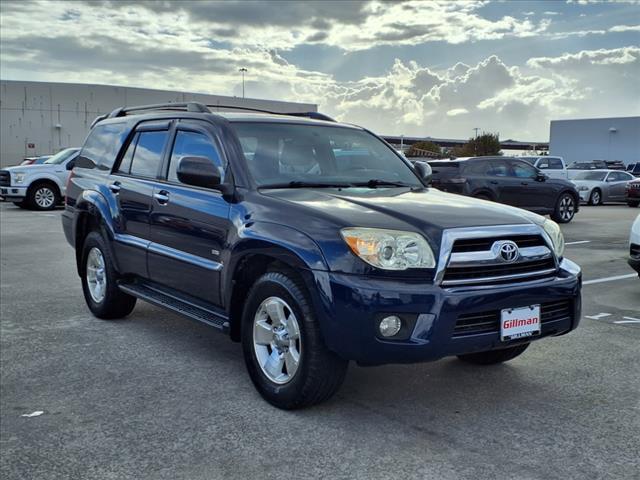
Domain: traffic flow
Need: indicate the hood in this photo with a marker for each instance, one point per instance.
(427, 210)
(32, 168)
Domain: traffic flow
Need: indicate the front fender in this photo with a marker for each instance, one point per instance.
(40, 176)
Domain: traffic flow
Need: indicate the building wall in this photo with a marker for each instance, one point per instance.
(37, 118)
(596, 139)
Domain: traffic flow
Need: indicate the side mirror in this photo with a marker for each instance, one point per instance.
(71, 164)
(541, 177)
(423, 169)
(199, 172)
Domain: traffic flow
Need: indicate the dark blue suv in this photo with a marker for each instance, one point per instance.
(311, 242)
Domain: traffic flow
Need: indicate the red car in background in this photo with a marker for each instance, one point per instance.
(633, 193)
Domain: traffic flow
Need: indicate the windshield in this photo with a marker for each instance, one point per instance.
(598, 176)
(61, 156)
(281, 155)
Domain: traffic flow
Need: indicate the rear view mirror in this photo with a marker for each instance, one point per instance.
(423, 169)
(199, 172)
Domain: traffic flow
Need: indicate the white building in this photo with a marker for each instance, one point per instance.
(38, 118)
(596, 139)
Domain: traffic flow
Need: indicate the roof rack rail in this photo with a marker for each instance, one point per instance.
(313, 115)
(186, 107)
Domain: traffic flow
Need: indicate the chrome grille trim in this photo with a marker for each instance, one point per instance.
(446, 258)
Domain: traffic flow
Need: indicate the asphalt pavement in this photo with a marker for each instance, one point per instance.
(157, 396)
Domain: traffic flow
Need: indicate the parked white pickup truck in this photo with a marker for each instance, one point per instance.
(40, 187)
(552, 166)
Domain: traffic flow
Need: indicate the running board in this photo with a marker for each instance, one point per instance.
(170, 302)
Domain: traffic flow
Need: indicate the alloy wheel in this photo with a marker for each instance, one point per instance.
(44, 197)
(96, 275)
(567, 207)
(276, 340)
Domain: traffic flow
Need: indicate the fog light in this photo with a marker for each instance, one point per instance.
(390, 326)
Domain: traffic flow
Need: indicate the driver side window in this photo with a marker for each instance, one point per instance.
(192, 144)
(524, 170)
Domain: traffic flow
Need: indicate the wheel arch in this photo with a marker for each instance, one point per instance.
(92, 213)
(250, 259)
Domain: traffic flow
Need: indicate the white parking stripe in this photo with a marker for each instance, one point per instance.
(578, 242)
(609, 279)
(598, 316)
(626, 321)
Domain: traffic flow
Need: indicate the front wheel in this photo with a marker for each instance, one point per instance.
(494, 356)
(565, 208)
(284, 352)
(99, 281)
(43, 196)
(595, 198)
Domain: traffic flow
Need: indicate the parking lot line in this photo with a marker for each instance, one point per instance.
(578, 242)
(609, 279)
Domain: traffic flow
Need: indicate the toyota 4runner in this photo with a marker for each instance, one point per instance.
(313, 243)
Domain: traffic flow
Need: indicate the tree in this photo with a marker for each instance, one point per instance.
(485, 144)
(414, 150)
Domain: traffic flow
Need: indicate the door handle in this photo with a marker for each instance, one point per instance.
(162, 197)
(493, 182)
(524, 183)
(115, 187)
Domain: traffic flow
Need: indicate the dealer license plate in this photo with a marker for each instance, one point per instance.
(520, 322)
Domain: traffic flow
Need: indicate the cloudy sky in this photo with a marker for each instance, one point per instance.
(414, 68)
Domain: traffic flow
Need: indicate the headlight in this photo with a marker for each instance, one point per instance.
(18, 177)
(557, 239)
(389, 249)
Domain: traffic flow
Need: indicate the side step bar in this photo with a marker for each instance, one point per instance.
(170, 302)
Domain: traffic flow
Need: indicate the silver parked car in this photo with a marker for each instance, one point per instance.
(598, 186)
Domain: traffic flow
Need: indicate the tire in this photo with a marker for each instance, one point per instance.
(112, 303)
(43, 196)
(21, 204)
(632, 203)
(595, 198)
(565, 208)
(318, 372)
(494, 356)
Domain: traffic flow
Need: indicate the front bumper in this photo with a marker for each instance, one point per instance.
(351, 303)
(584, 195)
(13, 194)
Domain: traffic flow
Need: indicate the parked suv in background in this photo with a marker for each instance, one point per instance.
(312, 242)
(39, 186)
(551, 166)
(510, 181)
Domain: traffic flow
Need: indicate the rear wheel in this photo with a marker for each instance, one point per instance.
(632, 203)
(565, 208)
(494, 356)
(482, 196)
(43, 196)
(99, 281)
(285, 354)
(596, 197)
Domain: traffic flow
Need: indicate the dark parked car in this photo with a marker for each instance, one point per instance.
(633, 193)
(311, 242)
(510, 181)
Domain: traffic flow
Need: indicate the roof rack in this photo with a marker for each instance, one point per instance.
(313, 115)
(183, 107)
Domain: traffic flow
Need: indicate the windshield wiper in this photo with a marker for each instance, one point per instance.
(376, 182)
(301, 184)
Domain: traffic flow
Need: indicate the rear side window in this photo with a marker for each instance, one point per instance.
(192, 144)
(125, 163)
(102, 146)
(476, 167)
(148, 154)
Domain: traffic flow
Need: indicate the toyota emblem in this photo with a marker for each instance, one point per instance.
(508, 251)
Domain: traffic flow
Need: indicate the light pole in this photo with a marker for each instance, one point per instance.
(476, 130)
(243, 71)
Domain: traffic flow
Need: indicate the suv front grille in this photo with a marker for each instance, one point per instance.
(5, 178)
(489, 322)
(477, 261)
